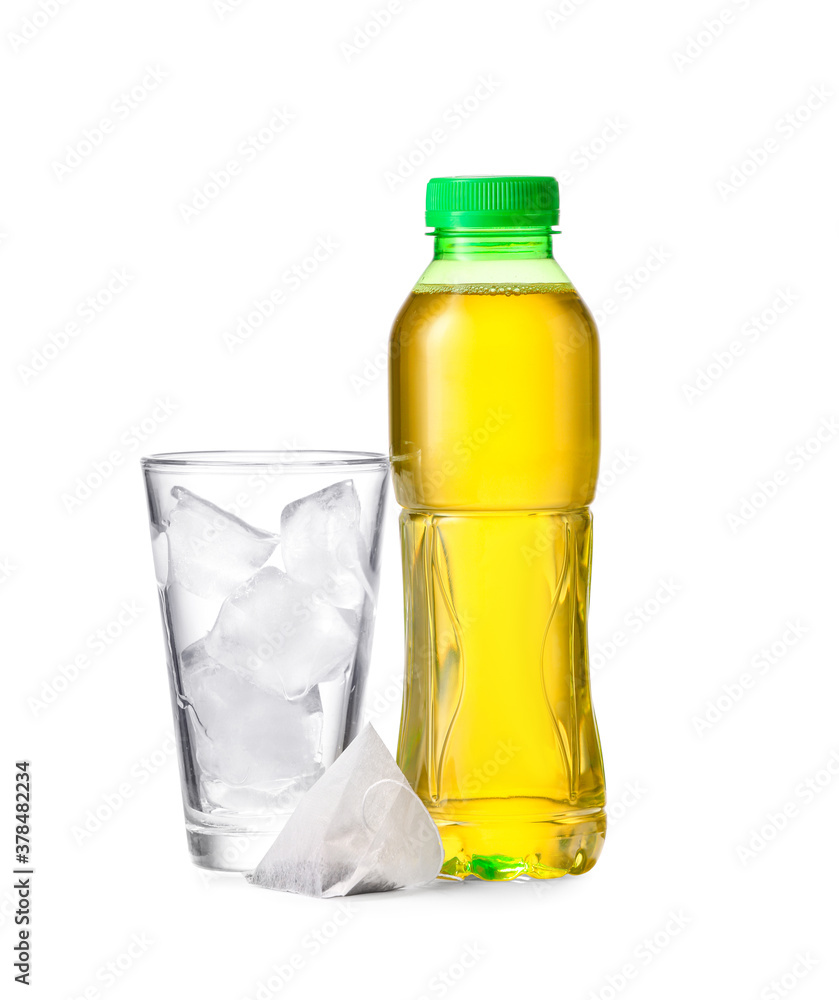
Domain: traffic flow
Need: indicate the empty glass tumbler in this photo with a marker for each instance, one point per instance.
(267, 566)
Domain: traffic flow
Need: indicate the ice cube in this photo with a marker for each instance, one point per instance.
(160, 554)
(282, 634)
(359, 828)
(322, 545)
(210, 551)
(244, 734)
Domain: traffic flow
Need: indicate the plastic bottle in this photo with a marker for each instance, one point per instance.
(495, 442)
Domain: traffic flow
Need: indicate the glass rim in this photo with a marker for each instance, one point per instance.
(289, 460)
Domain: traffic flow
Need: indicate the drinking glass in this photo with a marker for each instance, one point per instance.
(267, 566)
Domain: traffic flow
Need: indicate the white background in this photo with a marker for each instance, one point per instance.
(641, 126)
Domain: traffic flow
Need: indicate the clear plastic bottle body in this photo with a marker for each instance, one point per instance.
(494, 404)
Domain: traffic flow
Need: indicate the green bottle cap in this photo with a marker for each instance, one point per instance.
(491, 202)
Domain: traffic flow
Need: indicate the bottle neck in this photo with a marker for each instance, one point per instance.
(534, 243)
(499, 256)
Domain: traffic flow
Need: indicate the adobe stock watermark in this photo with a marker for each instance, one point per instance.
(734, 692)
(454, 117)
(129, 442)
(33, 23)
(234, 849)
(87, 311)
(643, 955)
(751, 331)
(113, 801)
(7, 569)
(367, 31)
(95, 644)
(219, 180)
(264, 645)
(114, 971)
(270, 476)
(7, 908)
(119, 111)
(785, 128)
(225, 7)
(425, 309)
(618, 465)
(373, 368)
(545, 538)
(464, 450)
(709, 31)
(634, 622)
(452, 634)
(562, 12)
(627, 287)
(389, 696)
(625, 801)
(614, 469)
(484, 774)
(791, 978)
(455, 972)
(795, 461)
(262, 308)
(310, 947)
(586, 154)
(775, 822)
(384, 700)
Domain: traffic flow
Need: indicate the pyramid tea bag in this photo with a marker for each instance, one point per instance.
(359, 828)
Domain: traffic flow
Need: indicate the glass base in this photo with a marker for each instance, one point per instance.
(227, 850)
